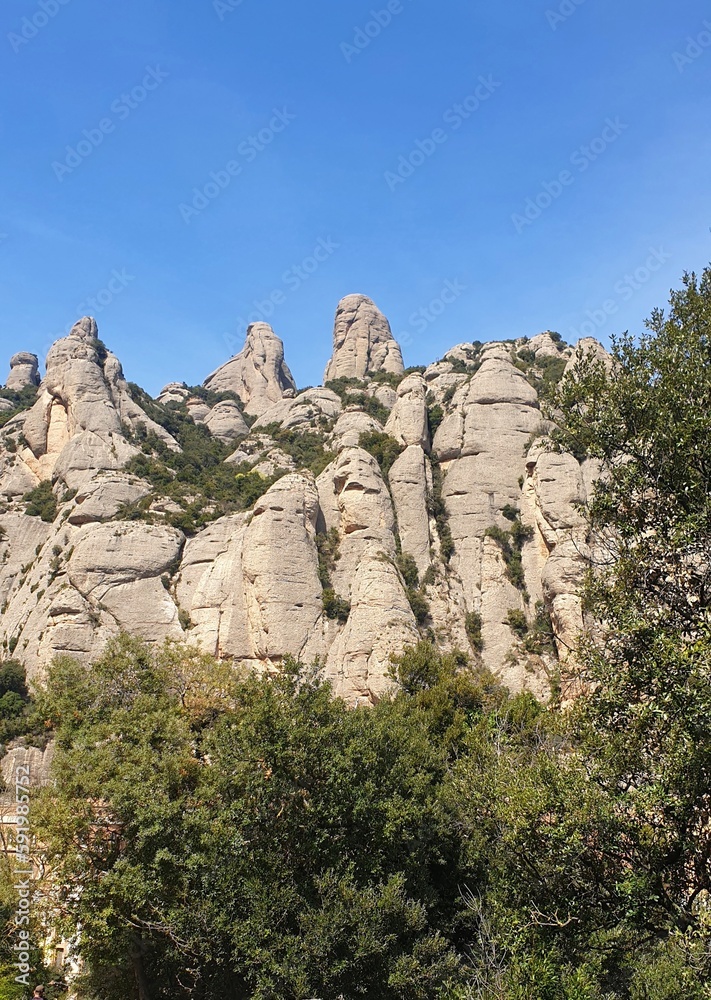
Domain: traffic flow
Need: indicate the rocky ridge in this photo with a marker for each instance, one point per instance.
(340, 523)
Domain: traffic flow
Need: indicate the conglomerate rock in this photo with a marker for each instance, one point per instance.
(313, 569)
(258, 374)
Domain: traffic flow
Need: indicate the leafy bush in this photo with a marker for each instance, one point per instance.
(384, 449)
(541, 637)
(306, 448)
(435, 416)
(415, 594)
(516, 621)
(17, 716)
(335, 607)
(511, 543)
(198, 479)
(41, 502)
(472, 626)
(437, 508)
(21, 400)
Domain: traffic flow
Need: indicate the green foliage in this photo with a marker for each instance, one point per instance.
(472, 363)
(328, 555)
(435, 416)
(517, 622)
(543, 373)
(18, 716)
(197, 479)
(472, 626)
(21, 400)
(384, 449)
(344, 387)
(415, 593)
(510, 512)
(334, 606)
(271, 841)
(305, 447)
(41, 502)
(511, 543)
(540, 637)
(448, 394)
(437, 508)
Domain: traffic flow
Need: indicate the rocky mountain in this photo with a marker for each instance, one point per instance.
(340, 523)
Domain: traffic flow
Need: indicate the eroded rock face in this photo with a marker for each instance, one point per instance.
(308, 411)
(76, 427)
(354, 500)
(258, 374)
(24, 371)
(408, 422)
(410, 485)
(225, 421)
(250, 587)
(362, 341)
(381, 623)
(280, 567)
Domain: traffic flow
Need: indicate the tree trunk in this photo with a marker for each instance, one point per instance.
(139, 972)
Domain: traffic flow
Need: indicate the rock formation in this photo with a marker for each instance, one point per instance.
(259, 374)
(24, 371)
(303, 545)
(362, 341)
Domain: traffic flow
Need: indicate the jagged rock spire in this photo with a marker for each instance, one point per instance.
(258, 374)
(24, 371)
(362, 341)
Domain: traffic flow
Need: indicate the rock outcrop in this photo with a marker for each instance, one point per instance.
(24, 371)
(450, 467)
(259, 374)
(363, 343)
(77, 426)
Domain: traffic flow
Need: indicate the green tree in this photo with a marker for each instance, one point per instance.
(253, 835)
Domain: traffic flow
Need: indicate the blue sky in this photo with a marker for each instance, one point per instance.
(265, 158)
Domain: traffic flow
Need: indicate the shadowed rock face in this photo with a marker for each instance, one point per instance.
(253, 585)
(258, 374)
(24, 371)
(363, 343)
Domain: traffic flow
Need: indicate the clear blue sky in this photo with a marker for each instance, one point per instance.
(348, 112)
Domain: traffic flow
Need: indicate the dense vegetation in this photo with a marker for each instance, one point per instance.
(41, 502)
(21, 399)
(218, 834)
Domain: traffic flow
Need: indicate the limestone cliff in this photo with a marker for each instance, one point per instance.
(338, 524)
